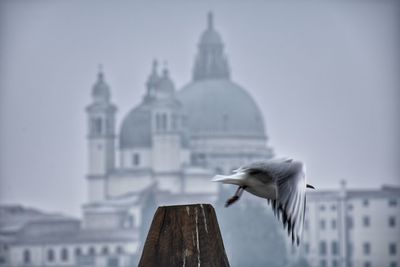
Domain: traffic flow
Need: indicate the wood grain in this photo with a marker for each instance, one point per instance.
(186, 235)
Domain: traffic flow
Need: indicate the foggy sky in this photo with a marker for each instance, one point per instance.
(324, 73)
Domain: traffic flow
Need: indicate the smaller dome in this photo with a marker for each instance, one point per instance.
(165, 83)
(210, 36)
(100, 90)
(136, 128)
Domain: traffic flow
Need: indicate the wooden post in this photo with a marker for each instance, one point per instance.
(186, 235)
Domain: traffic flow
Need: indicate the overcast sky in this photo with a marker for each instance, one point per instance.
(324, 73)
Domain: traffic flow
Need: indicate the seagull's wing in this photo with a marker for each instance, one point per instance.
(291, 200)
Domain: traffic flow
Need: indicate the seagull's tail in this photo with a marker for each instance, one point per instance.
(235, 178)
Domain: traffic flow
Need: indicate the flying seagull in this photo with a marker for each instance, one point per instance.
(282, 182)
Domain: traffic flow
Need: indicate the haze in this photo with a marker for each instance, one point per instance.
(324, 73)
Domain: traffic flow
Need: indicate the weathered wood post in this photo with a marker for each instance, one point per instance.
(186, 235)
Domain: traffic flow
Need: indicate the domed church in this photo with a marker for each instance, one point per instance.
(165, 152)
(172, 143)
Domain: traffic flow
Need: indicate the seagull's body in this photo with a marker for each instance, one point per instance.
(282, 182)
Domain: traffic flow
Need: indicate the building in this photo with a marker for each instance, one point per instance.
(353, 228)
(29, 237)
(165, 152)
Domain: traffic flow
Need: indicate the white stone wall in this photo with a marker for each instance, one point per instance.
(96, 189)
(226, 154)
(169, 182)
(101, 155)
(122, 184)
(199, 181)
(167, 153)
(103, 220)
(127, 158)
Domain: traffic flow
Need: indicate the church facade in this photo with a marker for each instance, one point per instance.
(165, 152)
(173, 142)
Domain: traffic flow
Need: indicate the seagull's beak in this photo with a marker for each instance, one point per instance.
(310, 186)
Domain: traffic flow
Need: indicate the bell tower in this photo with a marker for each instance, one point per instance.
(101, 138)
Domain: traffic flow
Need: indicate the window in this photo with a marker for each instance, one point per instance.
(335, 248)
(350, 222)
(365, 203)
(50, 255)
(392, 221)
(128, 221)
(135, 159)
(322, 263)
(27, 256)
(174, 122)
(78, 252)
(367, 264)
(392, 202)
(104, 251)
(367, 248)
(366, 221)
(322, 248)
(333, 207)
(158, 122)
(322, 224)
(350, 248)
(333, 224)
(335, 263)
(393, 264)
(392, 249)
(164, 122)
(119, 250)
(97, 126)
(350, 207)
(225, 122)
(64, 254)
(161, 122)
(321, 207)
(92, 251)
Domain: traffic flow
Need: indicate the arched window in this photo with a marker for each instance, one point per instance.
(164, 122)
(158, 122)
(135, 159)
(119, 250)
(104, 251)
(78, 252)
(27, 256)
(92, 251)
(322, 248)
(97, 125)
(64, 254)
(50, 255)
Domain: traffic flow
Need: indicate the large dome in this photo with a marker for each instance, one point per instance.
(221, 108)
(136, 128)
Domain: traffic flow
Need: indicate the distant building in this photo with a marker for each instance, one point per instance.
(353, 228)
(29, 237)
(166, 151)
